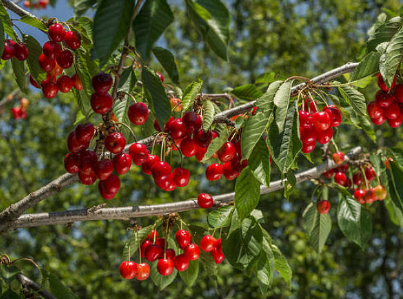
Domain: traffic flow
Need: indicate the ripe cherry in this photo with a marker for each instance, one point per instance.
(188, 147)
(153, 252)
(176, 129)
(46, 64)
(161, 170)
(334, 114)
(392, 111)
(33, 82)
(214, 172)
(228, 172)
(65, 59)
(71, 163)
(9, 50)
(342, 168)
(115, 142)
(112, 184)
(56, 32)
(359, 195)
(103, 169)
(170, 254)
(101, 103)
(181, 262)
(192, 252)
(102, 82)
(165, 267)
(308, 135)
(307, 147)
(374, 110)
(146, 166)
(328, 174)
(57, 70)
(77, 82)
(21, 51)
(338, 158)
(74, 145)
(370, 196)
(128, 269)
(175, 104)
(152, 235)
(87, 179)
(394, 123)
(370, 173)
(192, 121)
(182, 238)
(382, 85)
(321, 121)
(383, 99)
(143, 247)
(203, 138)
(122, 163)
(51, 50)
(200, 152)
(72, 40)
(181, 176)
(340, 178)
(205, 200)
(399, 93)
(49, 90)
(323, 207)
(387, 163)
(85, 132)
(160, 76)
(357, 178)
(207, 243)
(380, 120)
(87, 160)
(143, 271)
(227, 152)
(218, 255)
(325, 136)
(139, 153)
(138, 113)
(380, 192)
(64, 83)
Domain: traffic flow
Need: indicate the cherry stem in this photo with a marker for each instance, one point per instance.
(364, 177)
(179, 150)
(28, 260)
(319, 93)
(130, 129)
(335, 145)
(313, 101)
(325, 192)
(130, 95)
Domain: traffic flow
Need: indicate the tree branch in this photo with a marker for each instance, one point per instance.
(125, 213)
(25, 281)
(17, 10)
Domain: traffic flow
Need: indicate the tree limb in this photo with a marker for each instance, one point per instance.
(25, 281)
(125, 213)
(17, 10)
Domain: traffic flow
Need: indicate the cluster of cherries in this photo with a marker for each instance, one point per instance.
(54, 58)
(363, 192)
(13, 49)
(315, 126)
(41, 4)
(154, 248)
(21, 110)
(388, 104)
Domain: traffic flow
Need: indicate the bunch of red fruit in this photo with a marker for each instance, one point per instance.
(20, 111)
(41, 4)
(54, 58)
(13, 49)
(317, 126)
(388, 104)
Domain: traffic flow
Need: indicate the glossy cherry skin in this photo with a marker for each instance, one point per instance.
(357, 178)
(188, 147)
(49, 90)
(370, 196)
(325, 136)
(227, 152)
(205, 200)
(51, 50)
(72, 40)
(181, 262)
(112, 184)
(183, 238)
(153, 252)
(21, 51)
(85, 132)
(115, 142)
(146, 166)
(382, 85)
(87, 160)
(308, 135)
(138, 113)
(143, 247)
(122, 163)
(152, 235)
(192, 252)
(380, 192)
(128, 269)
(103, 191)
(203, 138)
(323, 207)
(102, 82)
(87, 179)
(161, 170)
(46, 64)
(139, 153)
(9, 50)
(340, 178)
(65, 59)
(74, 145)
(383, 99)
(394, 123)
(214, 172)
(359, 195)
(334, 114)
(338, 158)
(217, 253)
(321, 121)
(370, 173)
(160, 242)
(307, 147)
(101, 103)
(71, 163)
(380, 120)
(143, 271)
(374, 110)
(176, 129)
(64, 83)
(165, 267)
(392, 111)
(103, 169)
(170, 254)
(160, 76)
(228, 172)
(399, 93)
(77, 82)
(56, 32)
(181, 176)
(207, 243)
(200, 152)
(192, 121)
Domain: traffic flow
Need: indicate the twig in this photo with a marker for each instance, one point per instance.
(17, 10)
(27, 282)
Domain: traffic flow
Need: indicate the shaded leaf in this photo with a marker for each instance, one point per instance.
(367, 67)
(259, 162)
(136, 239)
(251, 133)
(355, 98)
(159, 280)
(247, 193)
(391, 59)
(5, 19)
(208, 114)
(220, 217)
(167, 60)
(190, 93)
(58, 289)
(281, 101)
(282, 266)
(9, 294)
(19, 74)
(384, 33)
(81, 6)
(216, 144)
(395, 177)
(190, 275)
(9, 273)
(35, 50)
(266, 102)
(247, 92)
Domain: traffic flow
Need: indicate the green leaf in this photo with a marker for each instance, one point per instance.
(134, 243)
(2, 39)
(247, 193)
(242, 247)
(384, 33)
(9, 273)
(282, 265)
(259, 162)
(111, 25)
(395, 179)
(367, 67)
(159, 280)
(35, 50)
(239, 122)
(220, 217)
(266, 102)
(58, 289)
(247, 92)
(34, 22)
(391, 59)
(84, 70)
(120, 109)
(397, 154)
(167, 60)
(190, 275)
(354, 221)
(10, 294)
(317, 226)
(284, 147)
(216, 144)
(81, 6)
(155, 16)
(281, 101)
(157, 98)
(264, 273)
(395, 214)
(19, 74)
(5, 19)
(190, 93)
(79, 117)
(212, 19)
(367, 125)
(208, 114)
(355, 98)
(251, 133)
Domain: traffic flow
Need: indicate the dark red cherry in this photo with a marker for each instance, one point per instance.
(328, 174)
(323, 206)
(181, 262)
(51, 50)
(77, 82)
(88, 159)
(308, 135)
(71, 163)
(115, 142)
(157, 126)
(192, 252)
(143, 271)
(181, 176)
(176, 129)
(128, 269)
(203, 138)
(374, 110)
(146, 166)
(112, 184)
(227, 152)
(399, 93)
(33, 82)
(383, 99)
(152, 235)
(64, 83)
(192, 121)
(21, 51)
(183, 238)
(101, 103)
(139, 153)
(325, 136)
(188, 147)
(153, 252)
(217, 254)
(357, 178)
(102, 82)
(122, 163)
(72, 40)
(46, 64)
(85, 132)
(87, 179)
(165, 267)
(144, 246)
(334, 114)
(321, 121)
(205, 200)
(103, 169)
(160, 76)
(74, 145)
(65, 59)
(49, 90)
(9, 50)
(160, 242)
(382, 85)
(359, 195)
(161, 170)
(392, 111)
(207, 243)
(380, 120)
(56, 32)
(170, 254)
(214, 172)
(394, 123)
(307, 147)
(340, 178)
(138, 113)
(370, 173)
(200, 152)
(228, 172)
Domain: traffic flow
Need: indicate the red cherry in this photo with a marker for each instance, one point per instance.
(85, 132)
(392, 111)
(49, 90)
(88, 159)
(304, 118)
(357, 178)
(165, 267)
(157, 126)
(74, 145)
(101, 103)
(46, 64)
(128, 269)
(192, 121)
(380, 120)
(181, 176)
(227, 152)
(394, 123)
(176, 129)
(139, 153)
(214, 172)
(9, 50)
(387, 163)
(399, 93)
(64, 83)
(77, 82)
(103, 169)
(102, 82)
(203, 138)
(338, 158)
(112, 184)
(309, 135)
(65, 59)
(51, 50)
(323, 207)
(21, 51)
(146, 166)
(342, 168)
(325, 136)
(160, 242)
(170, 254)
(115, 142)
(334, 114)
(153, 252)
(359, 195)
(161, 170)
(122, 163)
(370, 173)
(188, 147)
(33, 82)
(72, 40)
(382, 85)
(138, 113)
(340, 178)
(311, 107)
(181, 262)
(328, 174)
(200, 152)
(143, 271)
(205, 200)
(383, 99)
(183, 238)
(321, 121)
(374, 110)
(143, 247)
(370, 196)
(152, 235)
(56, 32)
(160, 76)
(348, 183)
(192, 252)
(87, 179)
(380, 192)
(217, 254)
(71, 163)
(307, 147)
(207, 243)
(228, 172)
